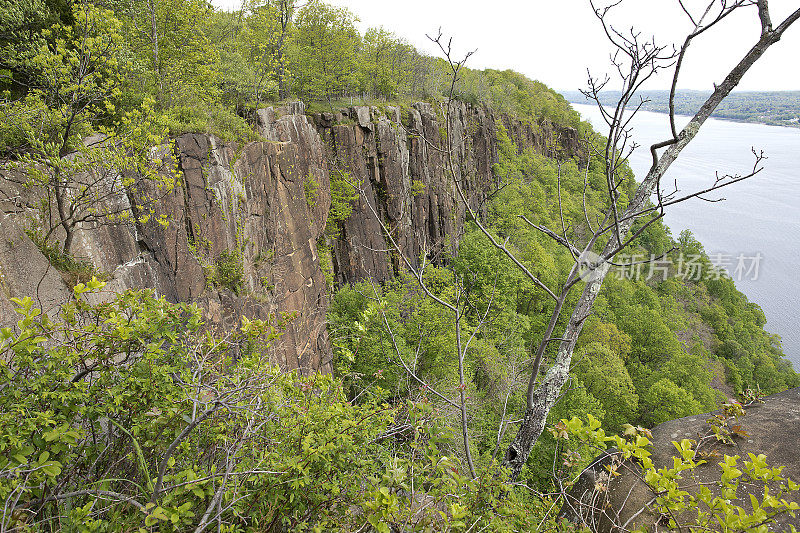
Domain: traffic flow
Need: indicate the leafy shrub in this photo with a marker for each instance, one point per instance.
(311, 190)
(229, 270)
(343, 194)
(130, 414)
(17, 126)
(216, 120)
(326, 262)
(226, 271)
(684, 504)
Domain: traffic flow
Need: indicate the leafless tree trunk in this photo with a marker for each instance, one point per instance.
(543, 395)
(636, 61)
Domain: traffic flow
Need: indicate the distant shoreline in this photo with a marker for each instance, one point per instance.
(715, 117)
(768, 108)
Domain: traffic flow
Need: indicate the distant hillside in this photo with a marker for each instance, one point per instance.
(778, 108)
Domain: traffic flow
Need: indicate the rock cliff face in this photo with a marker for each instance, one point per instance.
(245, 222)
(397, 159)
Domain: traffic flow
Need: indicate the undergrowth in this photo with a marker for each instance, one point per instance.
(72, 269)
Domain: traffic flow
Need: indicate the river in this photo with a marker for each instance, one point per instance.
(759, 216)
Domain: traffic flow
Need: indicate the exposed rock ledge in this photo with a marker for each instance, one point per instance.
(773, 428)
(254, 199)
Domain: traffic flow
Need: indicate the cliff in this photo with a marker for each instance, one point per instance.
(245, 222)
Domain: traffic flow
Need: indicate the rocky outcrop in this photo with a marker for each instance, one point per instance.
(396, 158)
(239, 239)
(770, 428)
(245, 209)
(239, 234)
(545, 137)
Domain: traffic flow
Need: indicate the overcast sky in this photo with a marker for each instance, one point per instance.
(555, 41)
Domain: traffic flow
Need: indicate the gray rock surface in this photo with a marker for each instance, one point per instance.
(772, 428)
(255, 199)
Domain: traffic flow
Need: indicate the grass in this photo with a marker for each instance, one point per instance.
(73, 270)
(217, 120)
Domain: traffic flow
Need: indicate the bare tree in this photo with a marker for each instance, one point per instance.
(459, 307)
(635, 61)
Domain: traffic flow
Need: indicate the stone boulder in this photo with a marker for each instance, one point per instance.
(771, 428)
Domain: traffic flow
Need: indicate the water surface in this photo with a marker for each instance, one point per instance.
(759, 215)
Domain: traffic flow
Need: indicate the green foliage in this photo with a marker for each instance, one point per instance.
(634, 338)
(21, 25)
(664, 400)
(19, 127)
(511, 92)
(605, 377)
(78, 75)
(129, 413)
(644, 357)
(324, 453)
(79, 70)
(206, 69)
(227, 271)
(343, 194)
(176, 58)
(417, 187)
(324, 51)
(216, 120)
(251, 51)
(389, 67)
(310, 190)
(326, 263)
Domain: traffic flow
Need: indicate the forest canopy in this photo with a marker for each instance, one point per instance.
(205, 70)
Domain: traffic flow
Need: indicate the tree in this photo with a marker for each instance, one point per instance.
(171, 40)
(21, 24)
(605, 377)
(248, 45)
(77, 79)
(375, 65)
(285, 10)
(625, 219)
(324, 51)
(386, 63)
(266, 43)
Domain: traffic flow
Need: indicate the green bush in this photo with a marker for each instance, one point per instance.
(311, 190)
(343, 194)
(130, 414)
(229, 271)
(216, 120)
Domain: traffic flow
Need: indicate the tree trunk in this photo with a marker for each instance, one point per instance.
(154, 41)
(280, 72)
(547, 393)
